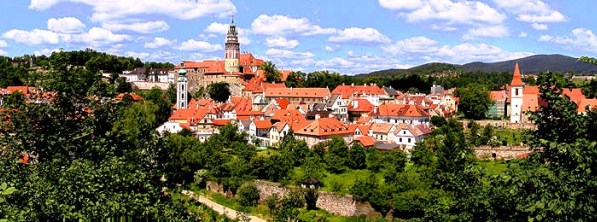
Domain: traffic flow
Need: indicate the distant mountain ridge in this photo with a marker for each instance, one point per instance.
(528, 65)
(535, 64)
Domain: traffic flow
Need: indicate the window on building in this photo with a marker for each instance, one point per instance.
(408, 140)
(400, 140)
(516, 92)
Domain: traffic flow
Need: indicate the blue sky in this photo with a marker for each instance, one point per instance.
(348, 36)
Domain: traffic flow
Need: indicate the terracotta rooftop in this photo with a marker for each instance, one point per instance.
(406, 110)
(516, 78)
(347, 90)
(296, 92)
(587, 103)
(324, 127)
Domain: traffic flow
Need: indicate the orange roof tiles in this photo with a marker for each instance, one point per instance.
(284, 74)
(297, 92)
(406, 110)
(366, 141)
(530, 102)
(134, 96)
(279, 126)
(381, 127)
(497, 95)
(324, 127)
(23, 89)
(221, 122)
(417, 130)
(360, 105)
(516, 78)
(283, 103)
(530, 90)
(575, 95)
(285, 115)
(591, 104)
(190, 116)
(347, 90)
(262, 124)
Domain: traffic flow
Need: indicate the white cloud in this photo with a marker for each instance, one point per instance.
(157, 42)
(66, 25)
(3, 44)
(281, 42)
(288, 54)
(329, 48)
(580, 39)
(99, 36)
(497, 31)
(452, 12)
(221, 28)
(418, 44)
(112, 10)
(468, 52)
(34, 37)
(283, 25)
(539, 26)
(95, 36)
(202, 46)
(523, 35)
(45, 51)
(140, 55)
(431, 51)
(355, 34)
(140, 27)
(536, 12)
(2, 52)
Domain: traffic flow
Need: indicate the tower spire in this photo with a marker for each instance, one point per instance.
(516, 78)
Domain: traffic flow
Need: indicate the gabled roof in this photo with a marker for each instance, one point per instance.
(333, 99)
(360, 105)
(221, 122)
(324, 127)
(290, 116)
(134, 96)
(279, 126)
(297, 92)
(587, 103)
(262, 124)
(347, 90)
(499, 95)
(283, 103)
(405, 110)
(417, 130)
(365, 141)
(191, 116)
(23, 89)
(575, 95)
(383, 128)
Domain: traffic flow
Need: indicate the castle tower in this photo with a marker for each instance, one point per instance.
(516, 92)
(232, 57)
(181, 90)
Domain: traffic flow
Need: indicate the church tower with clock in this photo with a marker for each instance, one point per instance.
(232, 57)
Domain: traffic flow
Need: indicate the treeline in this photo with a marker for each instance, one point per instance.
(18, 70)
(84, 157)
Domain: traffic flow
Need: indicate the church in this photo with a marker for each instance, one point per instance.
(236, 69)
(518, 100)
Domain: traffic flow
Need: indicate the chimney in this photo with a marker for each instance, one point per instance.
(317, 116)
(290, 89)
(375, 109)
(355, 104)
(352, 84)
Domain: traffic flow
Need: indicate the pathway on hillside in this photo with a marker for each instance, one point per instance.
(230, 213)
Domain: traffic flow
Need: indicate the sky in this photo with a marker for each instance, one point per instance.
(346, 36)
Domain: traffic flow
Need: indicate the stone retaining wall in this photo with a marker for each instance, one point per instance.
(502, 152)
(339, 204)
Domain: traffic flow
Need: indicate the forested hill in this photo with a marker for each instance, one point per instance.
(531, 64)
(535, 64)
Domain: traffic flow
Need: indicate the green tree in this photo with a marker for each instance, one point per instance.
(474, 101)
(357, 157)
(248, 195)
(219, 91)
(271, 73)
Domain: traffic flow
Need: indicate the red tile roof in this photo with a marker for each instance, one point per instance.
(283, 103)
(365, 141)
(136, 97)
(291, 116)
(497, 95)
(347, 90)
(190, 116)
(221, 122)
(296, 92)
(401, 110)
(23, 89)
(383, 128)
(587, 103)
(324, 127)
(575, 95)
(262, 124)
(360, 105)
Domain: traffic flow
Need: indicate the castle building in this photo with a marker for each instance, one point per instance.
(236, 68)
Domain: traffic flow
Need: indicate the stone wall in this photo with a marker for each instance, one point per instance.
(214, 187)
(339, 204)
(502, 152)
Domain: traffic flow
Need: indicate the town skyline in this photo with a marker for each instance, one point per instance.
(375, 35)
